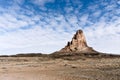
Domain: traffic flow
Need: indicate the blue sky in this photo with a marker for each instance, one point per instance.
(45, 26)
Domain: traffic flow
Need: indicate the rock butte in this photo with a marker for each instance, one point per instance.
(77, 44)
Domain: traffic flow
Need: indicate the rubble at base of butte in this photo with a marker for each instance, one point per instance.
(78, 44)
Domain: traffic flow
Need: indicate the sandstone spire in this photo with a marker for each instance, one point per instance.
(78, 44)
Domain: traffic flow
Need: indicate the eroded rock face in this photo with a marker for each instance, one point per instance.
(78, 44)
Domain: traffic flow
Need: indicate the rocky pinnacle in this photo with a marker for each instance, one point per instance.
(78, 44)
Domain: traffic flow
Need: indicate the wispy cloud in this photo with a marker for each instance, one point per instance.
(32, 26)
(42, 2)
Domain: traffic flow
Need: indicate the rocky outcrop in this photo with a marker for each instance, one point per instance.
(78, 44)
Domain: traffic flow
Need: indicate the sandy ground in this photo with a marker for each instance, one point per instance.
(36, 68)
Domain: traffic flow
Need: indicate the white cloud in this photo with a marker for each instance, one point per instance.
(8, 22)
(97, 13)
(42, 2)
(35, 38)
(118, 2)
(69, 9)
(40, 35)
(84, 18)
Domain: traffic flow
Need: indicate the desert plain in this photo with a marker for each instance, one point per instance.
(42, 68)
